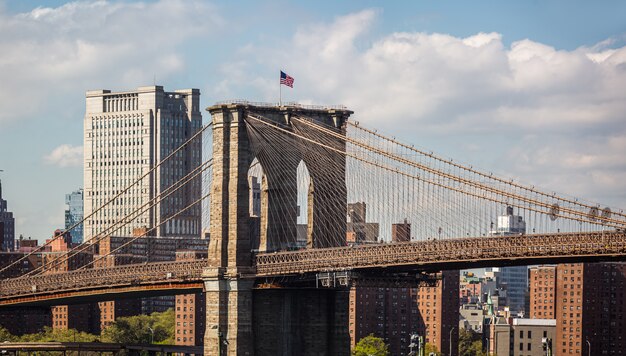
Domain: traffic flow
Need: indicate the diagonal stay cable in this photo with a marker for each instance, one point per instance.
(137, 212)
(122, 192)
(397, 171)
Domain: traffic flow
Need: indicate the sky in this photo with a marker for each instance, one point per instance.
(532, 90)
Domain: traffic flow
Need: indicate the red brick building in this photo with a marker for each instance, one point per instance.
(395, 313)
(19, 321)
(109, 311)
(589, 306)
(401, 232)
(190, 309)
(542, 289)
(82, 317)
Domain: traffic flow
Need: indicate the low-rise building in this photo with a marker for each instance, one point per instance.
(517, 336)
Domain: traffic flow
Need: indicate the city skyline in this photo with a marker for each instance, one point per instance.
(534, 95)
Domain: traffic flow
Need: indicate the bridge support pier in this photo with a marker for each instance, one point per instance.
(228, 315)
(290, 322)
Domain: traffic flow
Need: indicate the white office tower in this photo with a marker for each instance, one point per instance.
(512, 279)
(126, 135)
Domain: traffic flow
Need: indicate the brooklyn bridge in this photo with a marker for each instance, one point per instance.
(315, 160)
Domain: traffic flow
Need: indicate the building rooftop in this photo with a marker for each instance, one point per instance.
(534, 322)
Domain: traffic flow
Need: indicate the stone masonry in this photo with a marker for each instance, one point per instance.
(229, 279)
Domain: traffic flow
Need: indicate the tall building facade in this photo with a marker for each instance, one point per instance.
(190, 309)
(393, 314)
(81, 317)
(74, 214)
(126, 134)
(589, 306)
(514, 280)
(591, 309)
(542, 290)
(7, 226)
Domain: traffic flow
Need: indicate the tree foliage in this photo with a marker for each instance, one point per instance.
(128, 330)
(49, 334)
(136, 329)
(430, 348)
(470, 343)
(5, 335)
(371, 346)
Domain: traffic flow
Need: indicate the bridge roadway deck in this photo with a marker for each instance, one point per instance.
(451, 253)
(179, 276)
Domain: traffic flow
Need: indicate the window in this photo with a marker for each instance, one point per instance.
(521, 334)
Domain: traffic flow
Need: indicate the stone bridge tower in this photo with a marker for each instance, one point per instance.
(237, 140)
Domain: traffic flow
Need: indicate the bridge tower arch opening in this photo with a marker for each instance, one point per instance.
(305, 201)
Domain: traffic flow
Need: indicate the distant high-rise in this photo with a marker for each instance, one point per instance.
(7, 226)
(126, 135)
(512, 279)
(401, 232)
(358, 229)
(74, 214)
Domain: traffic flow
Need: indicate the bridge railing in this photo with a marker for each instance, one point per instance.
(602, 243)
(174, 271)
(607, 244)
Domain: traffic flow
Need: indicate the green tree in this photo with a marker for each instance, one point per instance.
(49, 334)
(136, 329)
(430, 348)
(470, 343)
(477, 349)
(5, 335)
(371, 346)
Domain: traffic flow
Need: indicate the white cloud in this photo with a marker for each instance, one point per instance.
(571, 103)
(65, 156)
(52, 53)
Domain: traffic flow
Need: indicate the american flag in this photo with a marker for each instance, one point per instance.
(285, 79)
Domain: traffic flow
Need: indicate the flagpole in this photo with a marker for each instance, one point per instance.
(280, 92)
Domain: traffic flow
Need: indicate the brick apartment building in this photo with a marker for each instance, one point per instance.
(190, 309)
(109, 311)
(395, 313)
(589, 307)
(81, 317)
(542, 289)
(20, 321)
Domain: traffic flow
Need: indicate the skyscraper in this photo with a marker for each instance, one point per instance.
(7, 226)
(74, 214)
(125, 135)
(512, 279)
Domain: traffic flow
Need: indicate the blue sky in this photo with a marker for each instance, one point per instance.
(534, 90)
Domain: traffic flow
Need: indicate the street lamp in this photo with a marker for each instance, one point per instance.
(413, 345)
(151, 335)
(450, 348)
(547, 345)
(589, 350)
